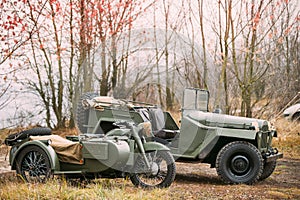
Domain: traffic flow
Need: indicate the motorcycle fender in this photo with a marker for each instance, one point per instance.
(152, 146)
(45, 147)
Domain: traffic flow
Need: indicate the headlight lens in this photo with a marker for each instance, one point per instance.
(255, 125)
(265, 126)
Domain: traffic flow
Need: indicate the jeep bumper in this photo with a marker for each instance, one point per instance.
(273, 157)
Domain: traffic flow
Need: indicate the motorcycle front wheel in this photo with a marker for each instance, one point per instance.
(161, 173)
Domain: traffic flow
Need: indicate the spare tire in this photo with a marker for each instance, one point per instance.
(13, 138)
(82, 113)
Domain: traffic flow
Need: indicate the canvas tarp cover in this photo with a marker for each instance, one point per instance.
(66, 150)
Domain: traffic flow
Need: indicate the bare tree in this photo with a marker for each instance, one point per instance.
(112, 18)
(4, 100)
(49, 71)
(203, 40)
(222, 30)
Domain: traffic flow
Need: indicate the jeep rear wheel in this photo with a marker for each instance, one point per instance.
(82, 114)
(239, 162)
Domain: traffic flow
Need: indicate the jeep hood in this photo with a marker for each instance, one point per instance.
(227, 121)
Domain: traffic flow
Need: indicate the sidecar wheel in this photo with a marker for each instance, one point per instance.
(33, 165)
(161, 174)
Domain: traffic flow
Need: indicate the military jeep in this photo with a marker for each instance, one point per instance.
(239, 148)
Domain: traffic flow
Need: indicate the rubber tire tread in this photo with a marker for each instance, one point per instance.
(11, 139)
(170, 174)
(230, 148)
(24, 152)
(269, 168)
(82, 114)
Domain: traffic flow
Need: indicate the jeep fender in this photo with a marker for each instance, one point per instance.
(54, 162)
(152, 146)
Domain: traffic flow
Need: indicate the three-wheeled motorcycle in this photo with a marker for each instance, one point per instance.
(127, 151)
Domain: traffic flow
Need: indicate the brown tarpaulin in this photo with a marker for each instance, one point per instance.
(66, 150)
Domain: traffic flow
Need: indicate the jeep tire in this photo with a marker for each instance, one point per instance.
(269, 168)
(239, 162)
(82, 114)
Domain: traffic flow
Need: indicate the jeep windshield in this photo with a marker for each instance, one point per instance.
(195, 99)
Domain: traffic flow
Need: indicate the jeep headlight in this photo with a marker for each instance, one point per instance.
(255, 126)
(265, 126)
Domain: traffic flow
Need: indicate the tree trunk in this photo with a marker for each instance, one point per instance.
(114, 61)
(104, 88)
(71, 77)
(205, 68)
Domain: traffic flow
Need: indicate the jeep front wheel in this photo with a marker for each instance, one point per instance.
(269, 168)
(239, 162)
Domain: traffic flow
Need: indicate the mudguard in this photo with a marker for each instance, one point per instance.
(151, 146)
(55, 166)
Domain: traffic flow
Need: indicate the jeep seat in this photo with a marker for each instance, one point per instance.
(158, 122)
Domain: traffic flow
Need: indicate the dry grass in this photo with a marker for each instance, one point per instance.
(59, 188)
(198, 187)
(288, 139)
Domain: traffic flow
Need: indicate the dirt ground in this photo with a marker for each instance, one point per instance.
(284, 183)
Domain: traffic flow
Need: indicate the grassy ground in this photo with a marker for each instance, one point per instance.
(193, 181)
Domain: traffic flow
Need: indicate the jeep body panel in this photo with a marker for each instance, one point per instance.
(196, 138)
(153, 146)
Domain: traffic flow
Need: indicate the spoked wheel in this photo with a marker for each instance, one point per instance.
(33, 165)
(239, 162)
(161, 173)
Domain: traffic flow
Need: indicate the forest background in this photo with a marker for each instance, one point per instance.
(245, 52)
